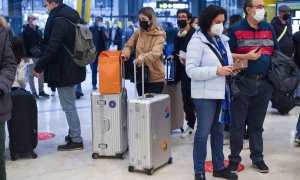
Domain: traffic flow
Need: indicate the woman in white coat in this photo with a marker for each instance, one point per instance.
(208, 62)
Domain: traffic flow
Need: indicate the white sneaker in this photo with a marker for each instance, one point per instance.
(189, 132)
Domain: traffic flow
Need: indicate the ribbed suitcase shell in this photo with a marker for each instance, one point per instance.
(149, 129)
(177, 113)
(109, 124)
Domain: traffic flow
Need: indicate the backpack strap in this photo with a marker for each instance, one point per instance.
(283, 33)
(66, 48)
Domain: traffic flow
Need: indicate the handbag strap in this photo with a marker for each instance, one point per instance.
(216, 53)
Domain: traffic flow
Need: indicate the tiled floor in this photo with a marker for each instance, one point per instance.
(281, 155)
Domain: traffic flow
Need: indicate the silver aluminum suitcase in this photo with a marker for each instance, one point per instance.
(149, 130)
(109, 124)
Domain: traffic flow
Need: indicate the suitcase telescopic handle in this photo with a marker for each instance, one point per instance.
(143, 77)
(123, 74)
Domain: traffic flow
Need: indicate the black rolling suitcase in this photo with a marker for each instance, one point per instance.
(283, 101)
(22, 127)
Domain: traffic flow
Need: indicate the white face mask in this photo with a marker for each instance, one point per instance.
(115, 25)
(34, 22)
(217, 29)
(260, 15)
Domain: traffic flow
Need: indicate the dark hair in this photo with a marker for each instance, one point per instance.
(55, 1)
(98, 18)
(169, 24)
(207, 16)
(187, 12)
(18, 48)
(234, 18)
(247, 3)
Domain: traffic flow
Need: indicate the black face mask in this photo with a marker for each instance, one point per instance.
(144, 25)
(286, 16)
(181, 23)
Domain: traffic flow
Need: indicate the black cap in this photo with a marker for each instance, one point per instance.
(284, 9)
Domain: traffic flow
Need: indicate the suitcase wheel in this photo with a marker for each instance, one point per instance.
(13, 156)
(150, 172)
(120, 156)
(130, 168)
(181, 129)
(95, 156)
(170, 160)
(34, 155)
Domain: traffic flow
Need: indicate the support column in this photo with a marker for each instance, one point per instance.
(15, 15)
(197, 6)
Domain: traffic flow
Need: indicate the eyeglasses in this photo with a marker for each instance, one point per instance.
(259, 7)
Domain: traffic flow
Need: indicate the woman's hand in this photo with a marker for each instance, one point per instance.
(224, 71)
(124, 57)
(140, 60)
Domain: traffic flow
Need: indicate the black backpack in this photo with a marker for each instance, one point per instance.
(284, 72)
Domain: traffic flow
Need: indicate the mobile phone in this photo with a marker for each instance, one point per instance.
(259, 48)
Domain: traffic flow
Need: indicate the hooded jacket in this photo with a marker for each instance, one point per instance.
(59, 67)
(286, 43)
(150, 44)
(8, 68)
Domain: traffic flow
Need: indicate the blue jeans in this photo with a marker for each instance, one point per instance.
(2, 149)
(297, 90)
(67, 101)
(208, 111)
(252, 103)
(298, 127)
(94, 68)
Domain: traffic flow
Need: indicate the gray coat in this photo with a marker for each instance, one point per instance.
(8, 68)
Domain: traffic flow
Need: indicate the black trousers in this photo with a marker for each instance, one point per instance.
(188, 105)
(155, 88)
(251, 104)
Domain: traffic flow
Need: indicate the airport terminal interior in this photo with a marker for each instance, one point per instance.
(281, 153)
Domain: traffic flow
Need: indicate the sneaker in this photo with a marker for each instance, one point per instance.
(297, 139)
(233, 166)
(78, 94)
(225, 173)
(68, 138)
(70, 146)
(95, 87)
(35, 95)
(200, 176)
(43, 94)
(260, 166)
(189, 132)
